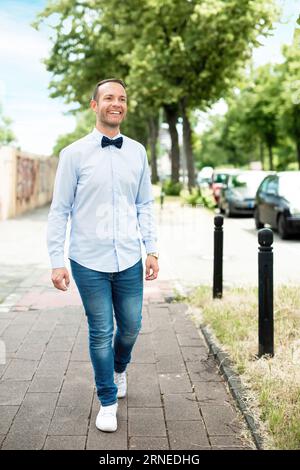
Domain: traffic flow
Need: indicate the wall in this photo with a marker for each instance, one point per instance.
(26, 181)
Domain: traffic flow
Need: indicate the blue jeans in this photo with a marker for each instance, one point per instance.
(102, 294)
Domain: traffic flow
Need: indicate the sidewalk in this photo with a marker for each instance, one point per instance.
(176, 398)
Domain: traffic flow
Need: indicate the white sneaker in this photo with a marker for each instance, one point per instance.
(121, 382)
(107, 418)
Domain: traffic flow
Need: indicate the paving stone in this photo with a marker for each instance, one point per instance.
(146, 422)
(53, 364)
(181, 407)
(230, 442)
(204, 371)
(4, 323)
(192, 339)
(80, 372)
(221, 420)
(23, 441)
(63, 330)
(143, 352)
(34, 415)
(7, 414)
(174, 383)
(4, 366)
(60, 343)
(178, 308)
(143, 386)
(187, 435)
(194, 353)
(98, 440)
(80, 351)
(46, 384)
(165, 343)
(76, 394)
(148, 443)
(69, 421)
(211, 393)
(33, 351)
(20, 369)
(12, 392)
(169, 363)
(65, 443)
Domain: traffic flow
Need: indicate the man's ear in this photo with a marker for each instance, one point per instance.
(93, 105)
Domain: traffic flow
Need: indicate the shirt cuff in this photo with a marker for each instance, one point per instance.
(151, 246)
(57, 261)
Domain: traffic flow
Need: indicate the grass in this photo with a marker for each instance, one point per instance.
(273, 384)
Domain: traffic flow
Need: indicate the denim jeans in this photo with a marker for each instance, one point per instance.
(104, 294)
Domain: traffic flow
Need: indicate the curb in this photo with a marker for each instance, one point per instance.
(236, 387)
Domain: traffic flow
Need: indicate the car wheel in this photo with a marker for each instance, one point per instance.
(282, 228)
(258, 223)
(228, 211)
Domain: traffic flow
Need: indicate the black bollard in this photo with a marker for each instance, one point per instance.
(218, 257)
(265, 293)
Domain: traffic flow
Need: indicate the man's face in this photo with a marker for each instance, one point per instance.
(111, 106)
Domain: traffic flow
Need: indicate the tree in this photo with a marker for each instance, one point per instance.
(6, 134)
(290, 80)
(172, 52)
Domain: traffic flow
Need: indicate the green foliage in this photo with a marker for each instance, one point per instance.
(262, 121)
(197, 197)
(167, 51)
(6, 134)
(171, 188)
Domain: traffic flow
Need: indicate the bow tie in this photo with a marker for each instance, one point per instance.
(117, 142)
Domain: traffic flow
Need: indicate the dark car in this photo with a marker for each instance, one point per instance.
(278, 203)
(238, 195)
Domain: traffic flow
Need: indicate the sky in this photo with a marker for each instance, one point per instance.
(24, 95)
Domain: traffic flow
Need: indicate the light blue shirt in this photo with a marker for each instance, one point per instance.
(107, 193)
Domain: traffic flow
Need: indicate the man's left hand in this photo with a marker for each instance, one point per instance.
(151, 263)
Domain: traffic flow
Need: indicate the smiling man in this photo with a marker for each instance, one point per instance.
(103, 183)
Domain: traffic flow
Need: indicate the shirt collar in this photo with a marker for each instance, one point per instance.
(98, 135)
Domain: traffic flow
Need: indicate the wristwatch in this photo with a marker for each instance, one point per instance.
(153, 254)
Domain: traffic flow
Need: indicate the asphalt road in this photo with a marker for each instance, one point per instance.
(185, 244)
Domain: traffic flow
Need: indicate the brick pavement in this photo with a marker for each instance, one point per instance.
(176, 397)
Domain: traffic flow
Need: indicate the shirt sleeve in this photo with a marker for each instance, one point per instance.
(63, 197)
(145, 210)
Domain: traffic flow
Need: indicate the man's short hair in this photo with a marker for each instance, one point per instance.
(116, 80)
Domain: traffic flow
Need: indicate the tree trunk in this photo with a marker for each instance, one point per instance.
(171, 112)
(270, 150)
(261, 154)
(298, 152)
(187, 145)
(153, 124)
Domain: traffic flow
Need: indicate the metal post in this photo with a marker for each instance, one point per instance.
(218, 257)
(265, 293)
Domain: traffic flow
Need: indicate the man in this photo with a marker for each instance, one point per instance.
(103, 182)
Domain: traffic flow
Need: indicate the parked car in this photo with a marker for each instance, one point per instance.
(219, 180)
(204, 176)
(238, 195)
(277, 203)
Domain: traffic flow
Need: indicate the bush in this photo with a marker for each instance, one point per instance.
(197, 197)
(192, 198)
(171, 188)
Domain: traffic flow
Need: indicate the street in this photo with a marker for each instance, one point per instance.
(185, 243)
(186, 246)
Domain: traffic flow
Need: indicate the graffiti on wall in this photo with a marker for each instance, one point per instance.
(26, 177)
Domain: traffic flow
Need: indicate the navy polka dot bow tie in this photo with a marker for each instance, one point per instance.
(117, 142)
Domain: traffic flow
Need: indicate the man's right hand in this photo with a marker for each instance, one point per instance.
(60, 278)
